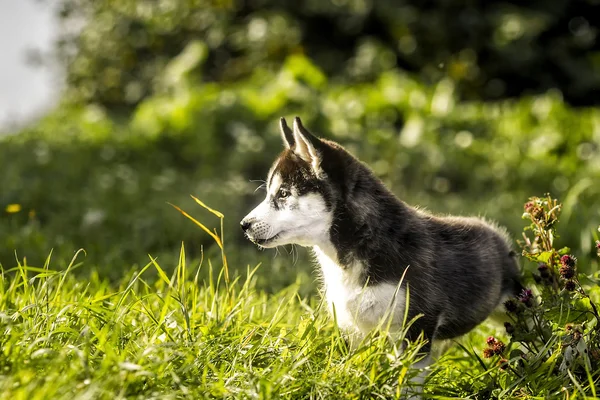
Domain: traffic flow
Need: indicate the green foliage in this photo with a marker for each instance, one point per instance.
(554, 331)
(490, 50)
(85, 180)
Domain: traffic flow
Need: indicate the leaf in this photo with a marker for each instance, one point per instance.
(544, 256)
(160, 271)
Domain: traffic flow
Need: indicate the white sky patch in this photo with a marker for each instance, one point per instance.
(24, 91)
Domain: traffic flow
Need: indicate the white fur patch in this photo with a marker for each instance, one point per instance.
(359, 308)
(302, 220)
(275, 184)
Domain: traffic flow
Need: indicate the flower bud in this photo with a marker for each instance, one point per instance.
(569, 260)
(511, 305)
(544, 270)
(525, 297)
(566, 271)
(499, 347)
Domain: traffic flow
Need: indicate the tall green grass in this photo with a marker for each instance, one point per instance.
(193, 334)
(199, 333)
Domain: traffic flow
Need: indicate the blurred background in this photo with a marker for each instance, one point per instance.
(110, 110)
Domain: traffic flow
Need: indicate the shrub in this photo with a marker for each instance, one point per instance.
(490, 50)
(554, 327)
(84, 179)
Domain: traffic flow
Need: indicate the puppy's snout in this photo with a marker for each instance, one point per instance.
(245, 224)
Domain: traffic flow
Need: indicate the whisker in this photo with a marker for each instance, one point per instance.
(295, 250)
(263, 186)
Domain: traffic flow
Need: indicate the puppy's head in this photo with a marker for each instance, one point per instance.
(296, 209)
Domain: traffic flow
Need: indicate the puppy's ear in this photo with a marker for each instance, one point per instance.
(306, 145)
(286, 133)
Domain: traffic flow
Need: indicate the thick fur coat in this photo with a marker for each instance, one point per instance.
(367, 241)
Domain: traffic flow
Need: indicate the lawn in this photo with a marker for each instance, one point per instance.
(202, 332)
(186, 337)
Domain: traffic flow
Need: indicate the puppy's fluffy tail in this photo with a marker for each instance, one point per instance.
(517, 287)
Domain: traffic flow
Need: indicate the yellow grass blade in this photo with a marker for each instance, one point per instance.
(204, 228)
(213, 235)
(215, 212)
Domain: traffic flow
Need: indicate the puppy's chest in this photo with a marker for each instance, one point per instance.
(357, 306)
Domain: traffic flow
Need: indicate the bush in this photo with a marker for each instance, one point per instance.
(555, 329)
(85, 180)
(490, 50)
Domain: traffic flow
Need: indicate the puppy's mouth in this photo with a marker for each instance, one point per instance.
(265, 242)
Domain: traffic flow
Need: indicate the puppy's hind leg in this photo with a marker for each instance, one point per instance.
(415, 386)
(413, 389)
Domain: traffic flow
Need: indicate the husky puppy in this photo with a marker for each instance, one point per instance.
(371, 246)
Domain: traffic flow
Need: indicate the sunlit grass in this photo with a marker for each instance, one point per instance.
(194, 333)
(178, 336)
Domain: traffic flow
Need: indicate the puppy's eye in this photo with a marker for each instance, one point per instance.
(283, 193)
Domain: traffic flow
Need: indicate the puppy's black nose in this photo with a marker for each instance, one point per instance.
(245, 225)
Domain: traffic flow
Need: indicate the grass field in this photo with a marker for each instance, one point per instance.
(201, 333)
(180, 336)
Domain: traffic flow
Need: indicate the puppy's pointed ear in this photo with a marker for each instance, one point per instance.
(286, 133)
(306, 145)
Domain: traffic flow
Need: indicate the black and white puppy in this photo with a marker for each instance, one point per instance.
(366, 240)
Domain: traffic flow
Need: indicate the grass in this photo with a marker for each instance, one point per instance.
(201, 334)
(186, 337)
(178, 336)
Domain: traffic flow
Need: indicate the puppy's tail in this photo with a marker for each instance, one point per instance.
(517, 287)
